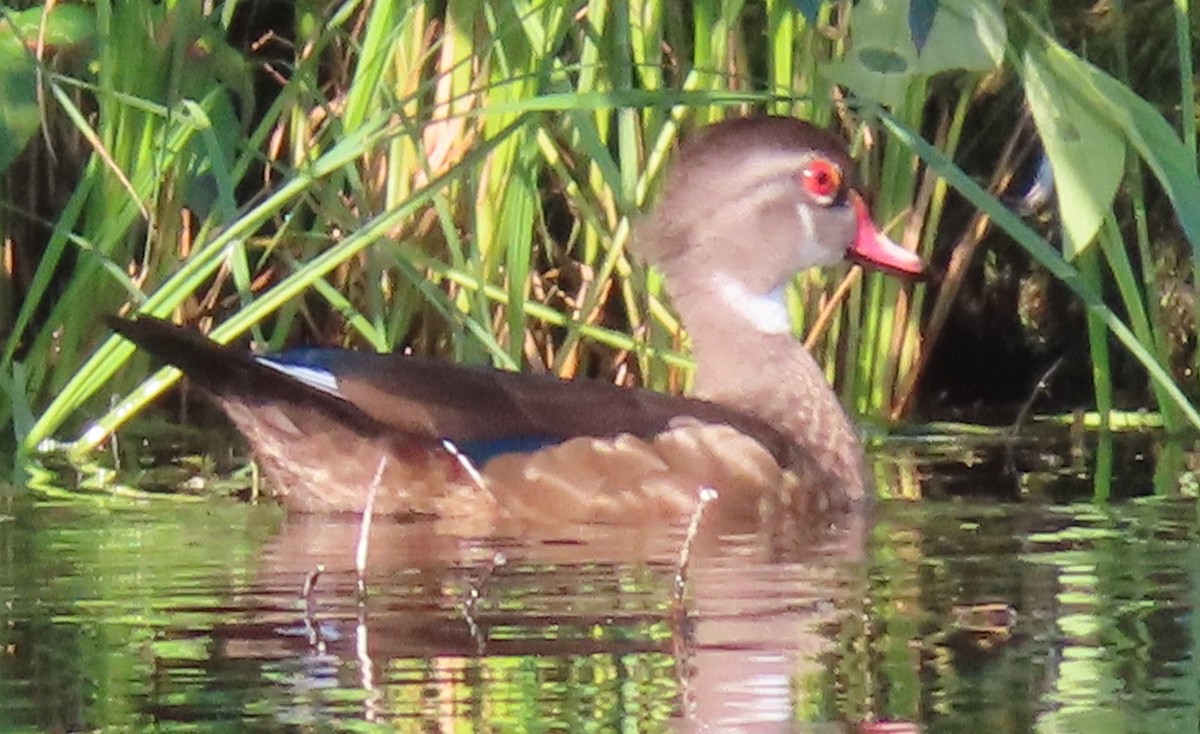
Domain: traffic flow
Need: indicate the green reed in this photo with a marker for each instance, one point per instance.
(460, 178)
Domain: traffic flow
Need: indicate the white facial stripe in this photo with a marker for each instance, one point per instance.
(767, 314)
(319, 379)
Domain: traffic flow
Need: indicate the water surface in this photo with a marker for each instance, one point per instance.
(1008, 602)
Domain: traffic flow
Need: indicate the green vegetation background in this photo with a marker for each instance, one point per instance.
(463, 177)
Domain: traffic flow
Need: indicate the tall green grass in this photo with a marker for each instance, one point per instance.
(462, 178)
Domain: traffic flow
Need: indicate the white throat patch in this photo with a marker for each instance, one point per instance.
(768, 313)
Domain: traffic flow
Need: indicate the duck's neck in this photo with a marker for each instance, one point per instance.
(745, 359)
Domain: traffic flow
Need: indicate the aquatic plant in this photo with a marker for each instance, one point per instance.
(463, 178)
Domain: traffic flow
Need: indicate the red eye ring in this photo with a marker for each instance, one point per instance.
(822, 180)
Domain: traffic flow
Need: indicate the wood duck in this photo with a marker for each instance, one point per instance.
(748, 204)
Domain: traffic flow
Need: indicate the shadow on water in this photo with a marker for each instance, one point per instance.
(1006, 601)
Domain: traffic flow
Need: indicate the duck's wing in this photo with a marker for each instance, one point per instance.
(485, 411)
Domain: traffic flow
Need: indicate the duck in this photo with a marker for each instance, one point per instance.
(747, 204)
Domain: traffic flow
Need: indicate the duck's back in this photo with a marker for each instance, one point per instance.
(455, 441)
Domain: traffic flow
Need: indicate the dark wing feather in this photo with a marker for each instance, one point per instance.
(233, 372)
(379, 393)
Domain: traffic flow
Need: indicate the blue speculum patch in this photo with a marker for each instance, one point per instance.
(313, 357)
(482, 451)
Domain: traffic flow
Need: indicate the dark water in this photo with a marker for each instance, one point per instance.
(1006, 601)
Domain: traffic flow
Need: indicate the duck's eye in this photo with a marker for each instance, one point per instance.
(822, 180)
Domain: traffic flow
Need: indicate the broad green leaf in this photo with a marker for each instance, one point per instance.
(19, 115)
(884, 59)
(1086, 152)
(1143, 127)
(20, 118)
(1047, 256)
(966, 34)
(58, 25)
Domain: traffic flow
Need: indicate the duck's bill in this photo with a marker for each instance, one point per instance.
(874, 249)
